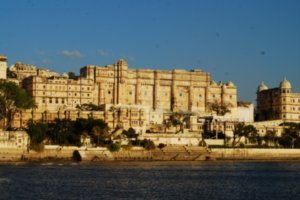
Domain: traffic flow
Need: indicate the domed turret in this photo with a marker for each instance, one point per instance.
(213, 83)
(285, 84)
(262, 87)
(230, 84)
(122, 62)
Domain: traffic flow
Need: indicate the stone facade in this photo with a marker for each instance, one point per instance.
(14, 140)
(139, 97)
(56, 93)
(264, 127)
(176, 90)
(22, 71)
(278, 103)
(3, 66)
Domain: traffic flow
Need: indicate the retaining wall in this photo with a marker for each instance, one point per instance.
(255, 154)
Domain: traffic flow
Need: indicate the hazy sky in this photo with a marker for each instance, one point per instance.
(245, 41)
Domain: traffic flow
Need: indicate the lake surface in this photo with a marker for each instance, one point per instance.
(151, 180)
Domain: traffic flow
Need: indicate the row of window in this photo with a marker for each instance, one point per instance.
(293, 108)
(293, 100)
(285, 116)
(54, 100)
(75, 94)
(64, 88)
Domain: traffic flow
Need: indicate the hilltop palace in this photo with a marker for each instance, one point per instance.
(142, 98)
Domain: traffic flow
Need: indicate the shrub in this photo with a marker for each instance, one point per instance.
(148, 144)
(161, 145)
(37, 147)
(113, 147)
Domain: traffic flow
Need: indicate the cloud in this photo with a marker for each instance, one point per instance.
(45, 61)
(130, 58)
(71, 54)
(103, 53)
(41, 53)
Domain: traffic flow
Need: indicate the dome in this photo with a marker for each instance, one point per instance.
(262, 87)
(122, 62)
(230, 84)
(285, 84)
(213, 83)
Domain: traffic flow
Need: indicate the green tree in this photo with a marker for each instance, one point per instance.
(148, 144)
(100, 134)
(270, 138)
(130, 133)
(242, 130)
(37, 133)
(13, 99)
(113, 147)
(178, 119)
(291, 136)
(219, 108)
(10, 74)
(62, 132)
(97, 129)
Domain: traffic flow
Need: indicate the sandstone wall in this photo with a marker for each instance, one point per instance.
(255, 154)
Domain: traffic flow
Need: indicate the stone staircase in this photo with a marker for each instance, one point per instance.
(174, 149)
(186, 153)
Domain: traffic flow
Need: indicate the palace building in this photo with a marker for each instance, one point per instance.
(130, 97)
(278, 103)
(22, 71)
(174, 90)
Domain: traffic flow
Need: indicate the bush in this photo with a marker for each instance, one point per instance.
(136, 142)
(148, 144)
(161, 145)
(76, 156)
(37, 147)
(130, 133)
(113, 147)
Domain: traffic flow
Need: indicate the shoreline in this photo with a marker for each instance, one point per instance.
(182, 153)
(83, 163)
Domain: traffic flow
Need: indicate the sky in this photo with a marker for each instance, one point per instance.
(246, 42)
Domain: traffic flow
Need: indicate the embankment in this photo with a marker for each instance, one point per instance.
(255, 154)
(169, 153)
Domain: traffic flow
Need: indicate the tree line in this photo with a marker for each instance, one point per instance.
(290, 138)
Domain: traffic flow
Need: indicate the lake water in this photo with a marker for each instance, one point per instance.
(151, 180)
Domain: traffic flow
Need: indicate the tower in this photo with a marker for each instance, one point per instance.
(285, 101)
(3, 66)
